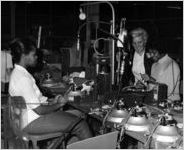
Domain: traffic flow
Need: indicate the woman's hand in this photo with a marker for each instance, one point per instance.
(62, 100)
(140, 84)
(59, 99)
(145, 77)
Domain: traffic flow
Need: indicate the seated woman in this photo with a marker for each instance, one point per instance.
(43, 115)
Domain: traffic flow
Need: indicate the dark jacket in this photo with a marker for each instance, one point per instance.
(147, 64)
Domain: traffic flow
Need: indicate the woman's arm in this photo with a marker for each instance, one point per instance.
(57, 103)
(45, 109)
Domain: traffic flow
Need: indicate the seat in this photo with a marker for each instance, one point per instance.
(181, 87)
(16, 107)
(105, 141)
(4, 101)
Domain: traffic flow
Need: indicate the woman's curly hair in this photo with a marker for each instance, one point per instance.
(21, 46)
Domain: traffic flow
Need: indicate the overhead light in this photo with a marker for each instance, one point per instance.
(82, 15)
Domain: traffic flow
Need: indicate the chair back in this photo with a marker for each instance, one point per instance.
(181, 87)
(105, 141)
(17, 114)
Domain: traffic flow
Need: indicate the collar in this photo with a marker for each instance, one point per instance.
(20, 68)
(166, 57)
(140, 55)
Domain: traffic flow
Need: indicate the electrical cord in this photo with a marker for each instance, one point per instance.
(113, 105)
(94, 45)
(173, 81)
(113, 37)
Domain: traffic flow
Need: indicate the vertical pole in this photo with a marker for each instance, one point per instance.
(93, 15)
(39, 36)
(113, 42)
(88, 33)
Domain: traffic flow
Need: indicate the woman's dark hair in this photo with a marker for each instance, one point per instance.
(21, 46)
(159, 45)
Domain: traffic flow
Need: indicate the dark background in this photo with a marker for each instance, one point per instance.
(60, 21)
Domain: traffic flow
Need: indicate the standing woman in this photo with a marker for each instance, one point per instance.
(141, 64)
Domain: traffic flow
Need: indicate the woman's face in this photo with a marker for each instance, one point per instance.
(31, 58)
(139, 44)
(154, 54)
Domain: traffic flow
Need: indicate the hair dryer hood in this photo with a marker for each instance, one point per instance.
(166, 133)
(116, 116)
(138, 124)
